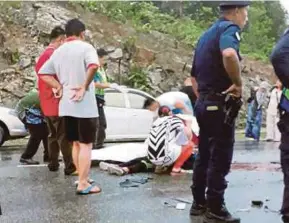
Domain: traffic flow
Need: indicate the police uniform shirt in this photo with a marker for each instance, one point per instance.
(280, 59)
(208, 68)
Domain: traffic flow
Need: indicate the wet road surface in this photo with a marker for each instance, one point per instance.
(33, 194)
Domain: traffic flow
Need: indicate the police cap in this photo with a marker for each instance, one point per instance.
(233, 4)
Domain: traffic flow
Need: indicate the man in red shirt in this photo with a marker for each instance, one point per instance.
(49, 105)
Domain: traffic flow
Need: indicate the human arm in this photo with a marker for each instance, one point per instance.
(101, 85)
(91, 62)
(195, 86)
(79, 92)
(229, 47)
(46, 73)
(98, 82)
(188, 129)
(193, 79)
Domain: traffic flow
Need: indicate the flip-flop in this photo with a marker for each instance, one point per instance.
(128, 183)
(141, 180)
(88, 191)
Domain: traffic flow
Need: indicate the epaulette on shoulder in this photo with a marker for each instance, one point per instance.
(226, 24)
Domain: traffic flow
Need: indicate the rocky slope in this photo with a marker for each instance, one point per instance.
(25, 27)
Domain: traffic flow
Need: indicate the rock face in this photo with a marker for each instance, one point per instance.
(25, 29)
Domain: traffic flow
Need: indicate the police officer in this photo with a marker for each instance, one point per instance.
(216, 73)
(280, 61)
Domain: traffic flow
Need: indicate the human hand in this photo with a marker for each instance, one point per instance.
(114, 86)
(78, 93)
(233, 90)
(179, 105)
(57, 92)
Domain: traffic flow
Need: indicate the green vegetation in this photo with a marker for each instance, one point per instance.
(186, 21)
(137, 78)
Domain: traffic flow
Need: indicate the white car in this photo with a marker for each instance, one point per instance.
(10, 125)
(125, 116)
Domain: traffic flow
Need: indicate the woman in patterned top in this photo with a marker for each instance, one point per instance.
(29, 112)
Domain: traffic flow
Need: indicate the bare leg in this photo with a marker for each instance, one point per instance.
(75, 154)
(84, 163)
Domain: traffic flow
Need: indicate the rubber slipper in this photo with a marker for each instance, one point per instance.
(128, 183)
(140, 180)
(88, 191)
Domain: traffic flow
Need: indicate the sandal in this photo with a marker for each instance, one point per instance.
(88, 191)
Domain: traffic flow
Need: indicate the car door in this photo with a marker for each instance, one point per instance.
(140, 120)
(116, 115)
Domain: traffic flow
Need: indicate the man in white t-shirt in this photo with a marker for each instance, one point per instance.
(75, 63)
(177, 101)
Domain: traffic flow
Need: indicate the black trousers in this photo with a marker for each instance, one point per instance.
(284, 156)
(139, 165)
(100, 134)
(214, 158)
(38, 133)
(57, 142)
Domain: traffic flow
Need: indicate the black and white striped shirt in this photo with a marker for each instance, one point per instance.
(163, 133)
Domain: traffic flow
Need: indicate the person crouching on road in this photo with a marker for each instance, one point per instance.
(170, 141)
(176, 155)
(101, 83)
(178, 102)
(29, 112)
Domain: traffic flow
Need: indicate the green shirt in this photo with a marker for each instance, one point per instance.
(100, 77)
(31, 100)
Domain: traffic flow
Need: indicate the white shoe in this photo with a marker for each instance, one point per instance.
(116, 170)
(104, 166)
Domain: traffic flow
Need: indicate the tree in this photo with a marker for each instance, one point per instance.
(278, 14)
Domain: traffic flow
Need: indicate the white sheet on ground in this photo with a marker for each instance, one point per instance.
(120, 153)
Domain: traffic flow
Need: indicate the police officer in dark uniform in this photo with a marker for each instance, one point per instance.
(280, 61)
(216, 70)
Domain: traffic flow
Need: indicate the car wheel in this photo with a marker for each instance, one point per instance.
(2, 136)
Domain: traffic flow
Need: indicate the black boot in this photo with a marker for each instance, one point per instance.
(220, 215)
(197, 209)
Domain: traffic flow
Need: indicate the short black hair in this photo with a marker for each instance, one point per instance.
(102, 52)
(148, 102)
(74, 27)
(56, 32)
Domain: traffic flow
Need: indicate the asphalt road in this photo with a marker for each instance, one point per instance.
(33, 194)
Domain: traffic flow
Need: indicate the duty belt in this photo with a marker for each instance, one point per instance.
(212, 97)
